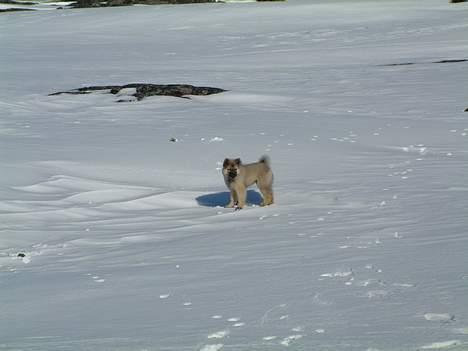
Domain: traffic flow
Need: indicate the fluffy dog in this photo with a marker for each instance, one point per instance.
(238, 177)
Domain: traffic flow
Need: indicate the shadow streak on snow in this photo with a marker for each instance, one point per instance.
(418, 63)
(222, 199)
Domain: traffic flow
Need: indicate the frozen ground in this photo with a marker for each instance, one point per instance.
(126, 244)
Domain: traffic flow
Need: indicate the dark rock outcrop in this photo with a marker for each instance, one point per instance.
(142, 90)
(398, 64)
(109, 3)
(451, 61)
(15, 9)
(14, 2)
(418, 63)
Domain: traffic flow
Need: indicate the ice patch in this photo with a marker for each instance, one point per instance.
(403, 285)
(137, 238)
(439, 317)
(441, 345)
(215, 347)
(463, 331)
(339, 274)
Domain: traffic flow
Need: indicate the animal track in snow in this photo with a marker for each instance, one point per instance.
(341, 140)
(289, 339)
(236, 321)
(373, 294)
(317, 300)
(219, 335)
(96, 278)
(266, 316)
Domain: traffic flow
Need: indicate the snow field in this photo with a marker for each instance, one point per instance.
(114, 237)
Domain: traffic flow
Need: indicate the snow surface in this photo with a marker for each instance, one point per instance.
(115, 238)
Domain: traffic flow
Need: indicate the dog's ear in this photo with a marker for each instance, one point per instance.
(237, 161)
(225, 163)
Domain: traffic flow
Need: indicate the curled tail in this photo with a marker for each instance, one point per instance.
(265, 159)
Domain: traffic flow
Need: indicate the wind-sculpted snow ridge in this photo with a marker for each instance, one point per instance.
(142, 90)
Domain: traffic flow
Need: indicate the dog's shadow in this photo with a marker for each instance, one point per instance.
(222, 199)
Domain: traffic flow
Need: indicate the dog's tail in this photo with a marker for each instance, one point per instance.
(265, 159)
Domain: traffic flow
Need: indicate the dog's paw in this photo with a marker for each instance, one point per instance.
(263, 203)
(239, 206)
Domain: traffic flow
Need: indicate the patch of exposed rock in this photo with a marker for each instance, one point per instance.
(14, 2)
(417, 63)
(110, 3)
(15, 9)
(141, 90)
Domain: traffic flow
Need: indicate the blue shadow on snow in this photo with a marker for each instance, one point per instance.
(222, 199)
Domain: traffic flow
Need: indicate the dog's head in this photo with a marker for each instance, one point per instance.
(231, 167)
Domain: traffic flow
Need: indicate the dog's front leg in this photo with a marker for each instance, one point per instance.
(233, 200)
(242, 194)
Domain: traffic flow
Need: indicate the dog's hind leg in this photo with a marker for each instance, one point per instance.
(267, 193)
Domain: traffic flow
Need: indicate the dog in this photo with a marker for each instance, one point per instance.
(238, 177)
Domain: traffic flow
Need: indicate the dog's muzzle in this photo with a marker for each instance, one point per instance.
(232, 173)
